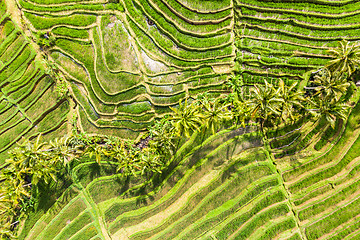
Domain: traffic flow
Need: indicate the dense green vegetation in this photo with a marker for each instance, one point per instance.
(175, 119)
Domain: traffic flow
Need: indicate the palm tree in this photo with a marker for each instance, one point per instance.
(291, 99)
(330, 110)
(97, 150)
(235, 83)
(241, 111)
(149, 161)
(265, 102)
(186, 119)
(330, 85)
(346, 58)
(162, 136)
(214, 113)
(61, 152)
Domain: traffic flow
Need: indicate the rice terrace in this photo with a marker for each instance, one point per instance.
(179, 119)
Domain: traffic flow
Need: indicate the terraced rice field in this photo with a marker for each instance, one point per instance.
(225, 187)
(127, 63)
(28, 104)
(289, 39)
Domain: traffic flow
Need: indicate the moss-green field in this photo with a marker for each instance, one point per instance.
(127, 63)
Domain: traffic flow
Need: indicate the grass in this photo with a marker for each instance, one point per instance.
(128, 67)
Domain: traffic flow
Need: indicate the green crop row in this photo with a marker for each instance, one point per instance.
(287, 129)
(330, 171)
(43, 105)
(328, 157)
(53, 118)
(8, 40)
(32, 94)
(303, 142)
(283, 37)
(260, 219)
(328, 223)
(28, 87)
(177, 8)
(70, 32)
(13, 50)
(233, 207)
(206, 6)
(177, 55)
(275, 49)
(311, 20)
(312, 6)
(350, 228)
(7, 116)
(76, 225)
(12, 135)
(69, 212)
(191, 177)
(2, 8)
(19, 61)
(276, 229)
(313, 194)
(73, 7)
(285, 142)
(90, 127)
(54, 1)
(309, 32)
(45, 21)
(82, 171)
(180, 170)
(87, 233)
(328, 136)
(7, 27)
(180, 39)
(21, 78)
(183, 25)
(208, 200)
(321, 206)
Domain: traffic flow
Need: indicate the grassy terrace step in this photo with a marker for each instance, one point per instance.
(315, 34)
(312, 8)
(328, 156)
(232, 207)
(182, 163)
(181, 39)
(189, 177)
(328, 202)
(315, 21)
(207, 7)
(47, 22)
(329, 222)
(82, 7)
(198, 206)
(192, 16)
(23, 86)
(182, 42)
(186, 26)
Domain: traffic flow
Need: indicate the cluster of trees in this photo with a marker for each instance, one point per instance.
(326, 97)
(32, 162)
(270, 105)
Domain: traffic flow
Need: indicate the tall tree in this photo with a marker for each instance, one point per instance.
(214, 113)
(186, 118)
(331, 86)
(346, 57)
(330, 110)
(291, 99)
(265, 102)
